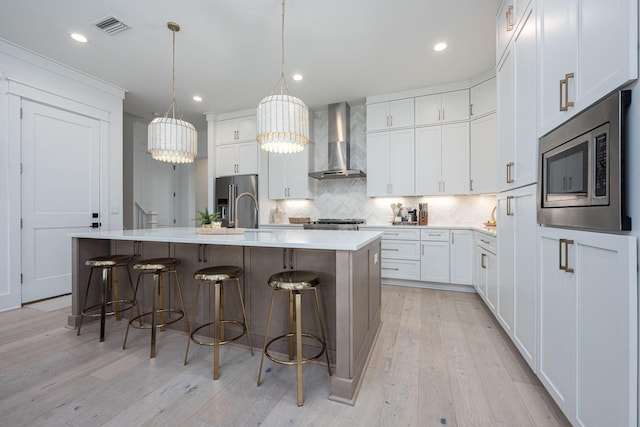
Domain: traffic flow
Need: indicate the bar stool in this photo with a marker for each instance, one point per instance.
(157, 267)
(217, 276)
(109, 265)
(294, 282)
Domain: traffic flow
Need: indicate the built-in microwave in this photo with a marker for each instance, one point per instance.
(581, 169)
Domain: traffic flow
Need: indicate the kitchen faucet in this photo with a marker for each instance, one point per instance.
(255, 201)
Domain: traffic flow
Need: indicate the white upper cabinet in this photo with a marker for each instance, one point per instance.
(289, 175)
(587, 49)
(483, 155)
(510, 15)
(517, 100)
(442, 159)
(240, 129)
(483, 99)
(390, 166)
(237, 159)
(442, 108)
(390, 115)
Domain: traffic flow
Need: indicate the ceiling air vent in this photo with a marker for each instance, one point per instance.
(111, 25)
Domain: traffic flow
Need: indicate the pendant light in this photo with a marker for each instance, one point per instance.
(283, 120)
(172, 140)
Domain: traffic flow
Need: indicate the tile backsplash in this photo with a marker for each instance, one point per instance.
(347, 198)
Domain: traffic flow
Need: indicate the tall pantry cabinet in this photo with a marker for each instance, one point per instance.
(517, 176)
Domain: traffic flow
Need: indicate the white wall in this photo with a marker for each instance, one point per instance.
(26, 75)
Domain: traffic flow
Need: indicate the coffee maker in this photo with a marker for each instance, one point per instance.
(423, 214)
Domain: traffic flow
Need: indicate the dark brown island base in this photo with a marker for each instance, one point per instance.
(348, 264)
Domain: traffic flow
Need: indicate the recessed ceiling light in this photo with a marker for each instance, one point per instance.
(297, 77)
(79, 37)
(440, 46)
(197, 98)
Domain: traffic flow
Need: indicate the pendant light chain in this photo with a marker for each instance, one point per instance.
(173, 76)
(282, 52)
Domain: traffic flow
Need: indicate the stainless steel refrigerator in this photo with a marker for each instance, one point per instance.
(227, 189)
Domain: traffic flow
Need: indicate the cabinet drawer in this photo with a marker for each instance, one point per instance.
(487, 242)
(400, 249)
(435, 234)
(400, 269)
(397, 232)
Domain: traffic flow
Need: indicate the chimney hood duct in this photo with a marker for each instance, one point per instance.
(339, 142)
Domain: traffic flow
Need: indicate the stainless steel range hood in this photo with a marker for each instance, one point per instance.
(339, 143)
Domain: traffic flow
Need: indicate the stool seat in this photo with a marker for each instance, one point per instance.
(109, 261)
(157, 264)
(293, 280)
(218, 273)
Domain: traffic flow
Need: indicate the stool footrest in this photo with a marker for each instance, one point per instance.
(293, 362)
(159, 325)
(211, 343)
(87, 311)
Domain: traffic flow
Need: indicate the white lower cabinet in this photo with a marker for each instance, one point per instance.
(461, 257)
(516, 291)
(400, 253)
(588, 325)
(486, 269)
(434, 264)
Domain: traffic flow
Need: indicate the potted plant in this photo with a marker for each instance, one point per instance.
(207, 219)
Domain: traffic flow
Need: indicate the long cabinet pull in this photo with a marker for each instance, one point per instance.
(565, 243)
(509, 16)
(564, 92)
(510, 179)
(453, 239)
(509, 205)
(471, 109)
(391, 249)
(483, 263)
(389, 268)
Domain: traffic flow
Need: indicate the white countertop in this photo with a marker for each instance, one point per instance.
(305, 239)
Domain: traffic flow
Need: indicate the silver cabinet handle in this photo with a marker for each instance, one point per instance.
(485, 241)
(391, 249)
(471, 109)
(389, 268)
(391, 234)
(565, 243)
(510, 172)
(483, 263)
(470, 185)
(509, 207)
(453, 240)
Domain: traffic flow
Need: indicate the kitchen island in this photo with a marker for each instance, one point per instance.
(348, 264)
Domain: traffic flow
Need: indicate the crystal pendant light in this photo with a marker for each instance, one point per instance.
(172, 140)
(283, 120)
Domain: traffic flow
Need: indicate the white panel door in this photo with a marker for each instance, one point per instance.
(377, 164)
(428, 160)
(455, 106)
(60, 193)
(484, 155)
(455, 158)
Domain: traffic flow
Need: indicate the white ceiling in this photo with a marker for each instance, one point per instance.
(228, 51)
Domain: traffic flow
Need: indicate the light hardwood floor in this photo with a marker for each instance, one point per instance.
(440, 360)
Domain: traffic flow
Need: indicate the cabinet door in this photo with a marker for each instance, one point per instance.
(492, 281)
(226, 131)
(455, 158)
(506, 157)
(277, 175)
(461, 257)
(480, 266)
(455, 106)
(606, 276)
(428, 109)
(298, 175)
(247, 128)
(558, 329)
(401, 113)
(247, 158)
(558, 49)
(377, 116)
(483, 98)
(484, 155)
(525, 275)
(505, 27)
(506, 244)
(401, 162)
(434, 263)
(377, 164)
(226, 160)
(428, 160)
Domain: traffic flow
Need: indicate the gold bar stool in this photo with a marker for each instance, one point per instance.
(109, 265)
(217, 276)
(294, 282)
(157, 266)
